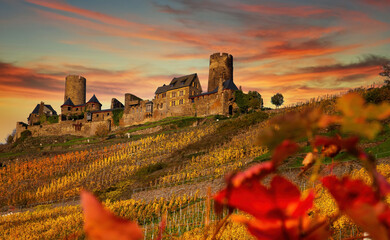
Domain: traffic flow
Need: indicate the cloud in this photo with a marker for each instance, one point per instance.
(366, 61)
(291, 11)
(101, 17)
(168, 9)
(299, 49)
(377, 3)
(26, 82)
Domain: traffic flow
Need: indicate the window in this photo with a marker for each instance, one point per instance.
(174, 94)
(183, 82)
(68, 108)
(108, 114)
(181, 101)
(97, 115)
(173, 103)
(193, 100)
(93, 105)
(164, 95)
(181, 93)
(161, 106)
(77, 109)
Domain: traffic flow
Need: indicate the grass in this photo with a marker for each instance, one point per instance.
(10, 154)
(179, 122)
(75, 142)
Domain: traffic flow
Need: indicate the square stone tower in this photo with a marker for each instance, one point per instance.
(221, 66)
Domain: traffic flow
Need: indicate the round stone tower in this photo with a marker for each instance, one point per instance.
(75, 89)
(221, 66)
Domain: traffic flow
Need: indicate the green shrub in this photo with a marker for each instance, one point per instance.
(52, 119)
(149, 169)
(117, 115)
(25, 134)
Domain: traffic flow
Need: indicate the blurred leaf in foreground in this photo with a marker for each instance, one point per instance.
(100, 223)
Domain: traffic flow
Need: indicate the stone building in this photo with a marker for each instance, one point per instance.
(41, 110)
(170, 99)
(183, 96)
(70, 111)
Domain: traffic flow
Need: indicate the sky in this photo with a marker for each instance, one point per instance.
(299, 48)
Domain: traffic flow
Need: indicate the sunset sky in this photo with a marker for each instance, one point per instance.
(300, 48)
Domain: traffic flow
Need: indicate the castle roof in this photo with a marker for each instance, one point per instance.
(228, 84)
(68, 102)
(49, 107)
(94, 100)
(179, 82)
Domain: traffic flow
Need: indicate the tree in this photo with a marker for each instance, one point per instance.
(10, 138)
(250, 101)
(277, 100)
(242, 101)
(386, 73)
(255, 100)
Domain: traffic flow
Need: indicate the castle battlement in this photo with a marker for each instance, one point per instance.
(181, 97)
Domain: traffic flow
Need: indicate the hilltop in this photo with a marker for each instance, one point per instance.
(141, 170)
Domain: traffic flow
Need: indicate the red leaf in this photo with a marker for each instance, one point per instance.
(251, 197)
(284, 192)
(304, 205)
(99, 223)
(280, 201)
(333, 145)
(161, 227)
(283, 151)
(291, 229)
(258, 171)
(383, 184)
(348, 192)
(360, 203)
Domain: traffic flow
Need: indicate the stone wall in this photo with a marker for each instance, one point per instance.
(56, 129)
(135, 114)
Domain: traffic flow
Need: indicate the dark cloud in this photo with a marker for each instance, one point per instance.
(365, 61)
(79, 69)
(352, 78)
(168, 9)
(18, 77)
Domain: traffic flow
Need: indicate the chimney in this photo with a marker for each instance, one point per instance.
(41, 108)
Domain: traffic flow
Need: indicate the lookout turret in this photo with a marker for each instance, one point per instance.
(221, 66)
(75, 89)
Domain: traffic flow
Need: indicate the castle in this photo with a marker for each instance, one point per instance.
(183, 96)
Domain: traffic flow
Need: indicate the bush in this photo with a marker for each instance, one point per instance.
(10, 138)
(52, 119)
(117, 115)
(25, 134)
(377, 95)
(149, 169)
(102, 130)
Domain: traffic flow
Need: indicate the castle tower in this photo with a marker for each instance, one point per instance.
(221, 65)
(75, 89)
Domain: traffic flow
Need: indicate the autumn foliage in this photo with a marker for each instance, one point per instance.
(276, 206)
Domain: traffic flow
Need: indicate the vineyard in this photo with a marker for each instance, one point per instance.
(40, 197)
